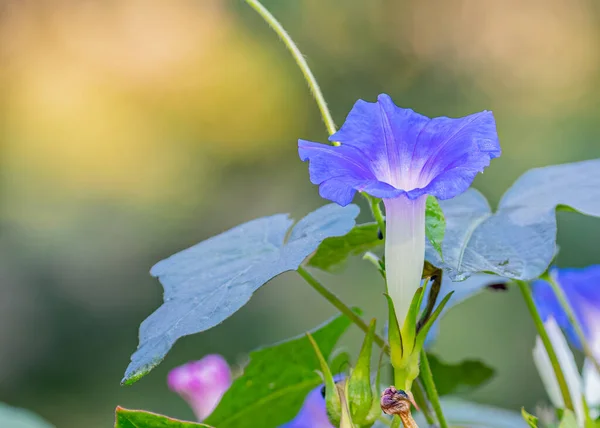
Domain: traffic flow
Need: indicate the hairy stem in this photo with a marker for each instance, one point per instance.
(566, 306)
(432, 393)
(300, 61)
(539, 325)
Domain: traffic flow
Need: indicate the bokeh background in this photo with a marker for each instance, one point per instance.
(132, 129)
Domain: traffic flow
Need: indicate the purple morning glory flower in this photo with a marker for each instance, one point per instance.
(313, 413)
(401, 156)
(582, 288)
(201, 383)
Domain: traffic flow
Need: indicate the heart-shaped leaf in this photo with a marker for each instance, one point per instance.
(125, 418)
(207, 283)
(276, 381)
(519, 240)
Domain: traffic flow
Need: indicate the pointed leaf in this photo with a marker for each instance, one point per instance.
(435, 224)
(209, 282)
(126, 418)
(458, 378)
(276, 381)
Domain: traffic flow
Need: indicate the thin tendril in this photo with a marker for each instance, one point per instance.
(301, 61)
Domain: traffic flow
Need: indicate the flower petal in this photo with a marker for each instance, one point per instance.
(313, 413)
(201, 383)
(567, 363)
(385, 134)
(341, 171)
(450, 152)
(388, 151)
(582, 289)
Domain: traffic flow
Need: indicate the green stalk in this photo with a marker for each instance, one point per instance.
(358, 321)
(539, 325)
(374, 204)
(432, 393)
(566, 306)
(340, 306)
(300, 61)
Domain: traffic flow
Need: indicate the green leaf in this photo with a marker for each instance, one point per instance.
(518, 241)
(333, 253)
(531, 420)
(207, 283)
(460, 377)
(14, 417)
(435, 224)
(276, 381)
(125, 418)
(568, 420)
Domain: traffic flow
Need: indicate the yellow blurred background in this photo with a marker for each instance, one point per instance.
(132, 129)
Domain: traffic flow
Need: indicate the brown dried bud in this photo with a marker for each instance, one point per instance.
(398, 402)
(395, 402)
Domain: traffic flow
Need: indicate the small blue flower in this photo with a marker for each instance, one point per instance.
(582, 288)
(401, 156)
(313, 413)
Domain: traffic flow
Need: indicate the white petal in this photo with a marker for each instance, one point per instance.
(404, 250)
(568, 365)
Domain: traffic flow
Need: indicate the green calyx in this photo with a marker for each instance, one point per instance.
(406, 343)
(361, 396)
(332, 397)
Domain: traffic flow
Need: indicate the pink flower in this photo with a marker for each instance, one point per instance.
(201, 383)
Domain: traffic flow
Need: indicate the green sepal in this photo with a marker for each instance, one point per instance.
(359, 389)
(394, 337)
(345, 417)
(531, 420)
(409, 328)
(427, 326)
(375, 411)
(332, 397)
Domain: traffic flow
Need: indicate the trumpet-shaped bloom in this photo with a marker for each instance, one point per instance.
(401, 156)
(582, 288)
(201, 383)
(567, 364)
